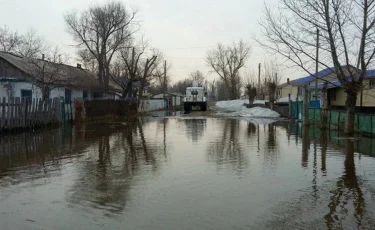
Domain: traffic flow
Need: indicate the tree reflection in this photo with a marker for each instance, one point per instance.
(305, 146)
(195, 128)
(106, 182)
(323, 139)
(227, 150)
(347, 188)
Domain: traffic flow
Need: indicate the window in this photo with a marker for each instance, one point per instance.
(27, 94)
(372, 84)
(332, 95)
(299, 90)
(85, 95)
(68, 95)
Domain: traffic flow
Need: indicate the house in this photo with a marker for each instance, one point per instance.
(295, 87)
(174, 99)
(336, 95)
(20, 77)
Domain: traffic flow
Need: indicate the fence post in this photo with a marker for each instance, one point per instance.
(2, 120)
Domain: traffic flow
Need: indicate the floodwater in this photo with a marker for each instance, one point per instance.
(186, 173)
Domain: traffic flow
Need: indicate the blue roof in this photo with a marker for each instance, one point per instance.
(310, 78)
(369, 74)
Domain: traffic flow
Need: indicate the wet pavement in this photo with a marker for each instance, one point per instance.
(183, 172)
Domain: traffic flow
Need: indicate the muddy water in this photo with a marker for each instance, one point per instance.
(186, 173)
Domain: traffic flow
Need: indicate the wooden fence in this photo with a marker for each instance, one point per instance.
(22, 113)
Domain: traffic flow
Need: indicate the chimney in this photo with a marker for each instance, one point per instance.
(287, 80)
(42, 56)
(79, 66)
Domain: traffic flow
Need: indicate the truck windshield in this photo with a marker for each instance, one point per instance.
(194, 92)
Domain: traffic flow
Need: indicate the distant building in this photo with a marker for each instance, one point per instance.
(174, 99)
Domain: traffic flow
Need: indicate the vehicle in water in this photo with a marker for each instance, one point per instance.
(195, 97)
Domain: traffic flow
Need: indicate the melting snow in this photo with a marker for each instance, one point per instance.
(236, 108)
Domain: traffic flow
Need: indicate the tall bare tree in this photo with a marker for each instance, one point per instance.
(197, 76)
(347, 38)
(102, 30)
(227, 61)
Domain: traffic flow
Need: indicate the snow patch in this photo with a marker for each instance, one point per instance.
(236, 108)
(233, 105)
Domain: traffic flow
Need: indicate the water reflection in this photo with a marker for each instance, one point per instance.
(107, 174)
(105, 183)
(226, 149)
(195, 128)
(305, 146)
(347, 191)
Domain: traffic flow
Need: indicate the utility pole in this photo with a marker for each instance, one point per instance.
(165, 78)
(317, 64)
(259, 79)
(165, 81)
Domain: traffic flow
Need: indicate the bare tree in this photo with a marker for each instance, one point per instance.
(31, 45)
(197, 76)
(129, 67)
(250, 83)
(147, 74)
(227, 61)
(347, 38)
(102, 30)
(9, 40)
(272, 80)
(49, 72)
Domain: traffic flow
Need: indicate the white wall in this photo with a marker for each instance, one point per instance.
(147, 105)
(36, 92)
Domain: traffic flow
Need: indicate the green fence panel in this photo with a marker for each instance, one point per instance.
(317, 114)
(372, 124)
(356, 122)
(334, 119)
(365, 123)
(342, 119)
(311, 114)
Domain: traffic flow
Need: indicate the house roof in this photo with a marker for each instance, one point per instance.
(336, 84)
(310, 78)
(67, 75)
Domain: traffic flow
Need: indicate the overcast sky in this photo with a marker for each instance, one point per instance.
(183, 30)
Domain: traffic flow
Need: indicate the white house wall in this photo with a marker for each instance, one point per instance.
(36, 92)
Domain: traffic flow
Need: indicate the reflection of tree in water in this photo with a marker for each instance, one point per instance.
(305, 146)
(347, 190)
(121, 153)
(195, 128)
(270, 152)
(344, 196)
(323, 140)
(251, 129)
(227, 150)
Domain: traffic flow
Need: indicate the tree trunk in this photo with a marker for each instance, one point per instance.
(324, 111)
(140, 92)
(306, 101)
(351, 100)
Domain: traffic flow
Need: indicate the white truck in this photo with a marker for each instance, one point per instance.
(195, 97)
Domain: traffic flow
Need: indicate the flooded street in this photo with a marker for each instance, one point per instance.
(186, 173)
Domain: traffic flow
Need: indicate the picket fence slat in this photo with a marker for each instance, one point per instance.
(19, 112)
